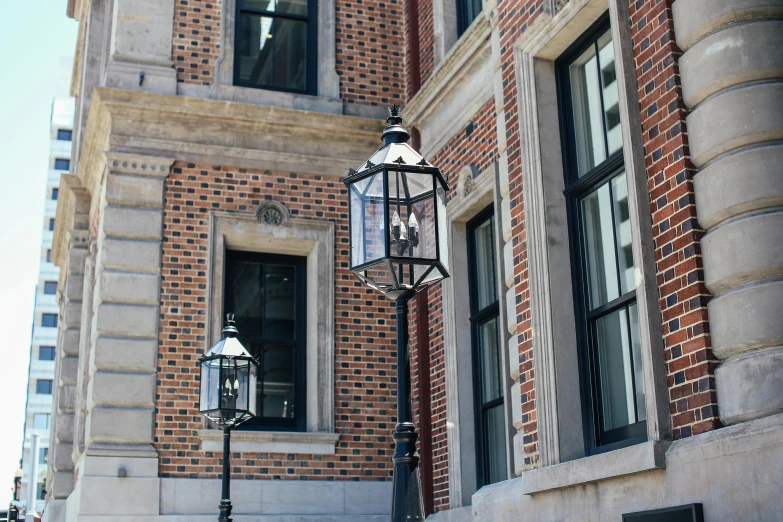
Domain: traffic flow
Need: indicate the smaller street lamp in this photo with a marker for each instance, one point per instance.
(397, 206)
(228, 395)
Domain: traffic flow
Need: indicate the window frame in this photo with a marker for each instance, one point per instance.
(311, 46)
(56, 320)
(57, 160)
(48, 284)
(576, 188)
(53, 352)
(55, 193)
(48, 417)
(477, 319)
(464, 17)
(38, 383)
(51, 224)
(61, 132)
(300, 335)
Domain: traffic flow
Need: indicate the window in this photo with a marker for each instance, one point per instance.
(275, 45)
(64, 135)
(43, 455)
(55, 193)
(267, 294)
(488, 380)
(467, 11)
(51, 225)
(46, 353)
(50, 287)
(41, 421)
(48, 255)
(600, 236)
(40, 492)
(43, 386)
(49, 320)
(62, 164)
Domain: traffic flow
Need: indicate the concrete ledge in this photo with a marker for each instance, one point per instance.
(695, 19)
(316, 443)
(747, 181)
(736, 54)
(734, 119)
(647, 456)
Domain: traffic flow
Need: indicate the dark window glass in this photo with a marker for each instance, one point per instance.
(267, 293)
(55, 193)
(600, 236)
(62, 164)
(64, 135)
(48, 255)
(486, 341)
(40, 492)
(50, 287)
(41, 421)
(43, 386)
(46, 353)
(49, 320)
(43, 455)
(467, 11)
(51, 224)
(275, 45)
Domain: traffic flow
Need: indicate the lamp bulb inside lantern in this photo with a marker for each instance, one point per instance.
(398, 228)
(413, 223)
(236, 384)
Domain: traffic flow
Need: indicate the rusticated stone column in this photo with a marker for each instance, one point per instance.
(118, 465)
(732, 81)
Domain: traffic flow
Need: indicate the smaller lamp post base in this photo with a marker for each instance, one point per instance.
(225, 511)
(407, 504)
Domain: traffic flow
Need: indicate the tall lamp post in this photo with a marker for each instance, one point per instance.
(397, 203)
(228, 396)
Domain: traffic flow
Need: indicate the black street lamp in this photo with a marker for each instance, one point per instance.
(228, 396)
(397, 203)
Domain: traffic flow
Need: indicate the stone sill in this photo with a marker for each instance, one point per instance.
(314, 443)
(639, 458)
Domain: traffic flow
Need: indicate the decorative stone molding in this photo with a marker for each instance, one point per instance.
(228, 133)
(458, 87)
(138, 164)
(465, 181)
(314, 443)
(272, 213)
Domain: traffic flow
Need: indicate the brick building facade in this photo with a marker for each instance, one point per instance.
(608, 341)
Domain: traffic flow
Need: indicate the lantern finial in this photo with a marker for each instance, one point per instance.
(230, 330)
(395, 132)
(395, 115)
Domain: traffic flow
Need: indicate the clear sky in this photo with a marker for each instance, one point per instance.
(34, 36)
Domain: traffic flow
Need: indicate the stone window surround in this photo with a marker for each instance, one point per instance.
(457, 335)
(554, 343)
(303, 237)
(327, 80)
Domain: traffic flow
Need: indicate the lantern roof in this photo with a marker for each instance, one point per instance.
(229, 345)
(395, 153)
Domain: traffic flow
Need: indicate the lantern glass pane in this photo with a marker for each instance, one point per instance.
(241, 388)
(252, 386)
(443, 243)
(210, 385)
(411, 215)
(368, 220)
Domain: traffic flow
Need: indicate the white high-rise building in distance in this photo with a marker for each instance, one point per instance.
(41, 373)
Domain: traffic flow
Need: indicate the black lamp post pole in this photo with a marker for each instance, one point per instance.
(225, 496)
(406, 487)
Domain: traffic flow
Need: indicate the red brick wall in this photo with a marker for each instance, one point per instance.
(365, 403)
(370, 51)
(689, 359)
(196, 40)
(369, 47)
(426, 41)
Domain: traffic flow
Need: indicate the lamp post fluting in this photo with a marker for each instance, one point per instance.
(229, 374)
(397, 205)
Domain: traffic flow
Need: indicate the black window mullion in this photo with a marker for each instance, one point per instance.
(615, 245)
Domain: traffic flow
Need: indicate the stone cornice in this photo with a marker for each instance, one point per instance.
(71, 192)
(223, 133)
(473, 46)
